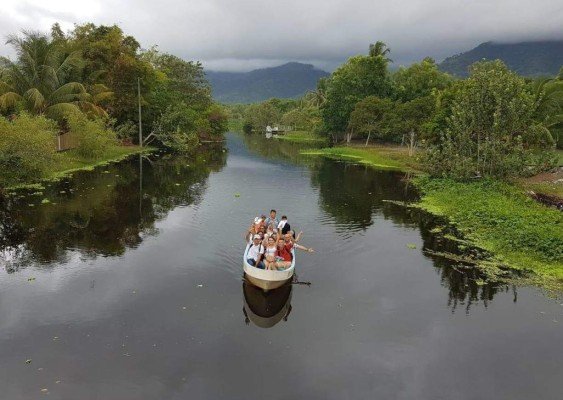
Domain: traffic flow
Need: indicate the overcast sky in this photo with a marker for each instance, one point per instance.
(240, 35)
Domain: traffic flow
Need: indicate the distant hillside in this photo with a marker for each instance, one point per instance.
(527, 59)
(286, 81)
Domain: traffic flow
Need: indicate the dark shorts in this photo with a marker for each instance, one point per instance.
(252, 262)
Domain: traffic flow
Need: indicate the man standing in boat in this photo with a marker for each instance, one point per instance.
(272, 220)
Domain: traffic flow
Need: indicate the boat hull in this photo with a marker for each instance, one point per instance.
(267, 279)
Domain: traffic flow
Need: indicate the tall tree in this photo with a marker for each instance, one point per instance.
(360, 77)
(419, 80)
(548, 96)
(372, 115)
(379, 49)
(491, 127)
(113, 59)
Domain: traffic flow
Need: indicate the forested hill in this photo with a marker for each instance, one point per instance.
(285, 81)
(543, 58)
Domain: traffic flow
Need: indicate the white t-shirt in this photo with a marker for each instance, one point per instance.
(271, 251)
(254, 251)
(282, 223)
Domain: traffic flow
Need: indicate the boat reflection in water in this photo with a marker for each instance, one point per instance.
(266, 309)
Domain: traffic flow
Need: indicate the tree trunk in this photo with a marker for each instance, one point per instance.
(369, 134)
(412, 143)
(348, 136)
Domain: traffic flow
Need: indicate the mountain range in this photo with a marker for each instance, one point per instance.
(291, 80)
(541, 58)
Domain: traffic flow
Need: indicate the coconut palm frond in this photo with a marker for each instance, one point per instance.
(9, 100)
(15, 77)
(71, 63)
(35, 99)
(553, 120)
(68, 92)
(48, 78)
(5, 87)
(98, 75)
(100, 93)
(97, 88)
(59, 111)
(90, 108)
(102, 97)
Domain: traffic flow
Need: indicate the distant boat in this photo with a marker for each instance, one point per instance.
(267, 279)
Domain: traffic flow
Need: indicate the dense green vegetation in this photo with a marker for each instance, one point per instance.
(500, 218)
(541, 58)
(84, 84)
(493, 123)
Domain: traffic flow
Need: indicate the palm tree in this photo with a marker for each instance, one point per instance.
(41, 79)
(548, 94)
(315, 98)
(379, 49)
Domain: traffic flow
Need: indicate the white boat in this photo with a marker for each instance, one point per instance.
(267, 279)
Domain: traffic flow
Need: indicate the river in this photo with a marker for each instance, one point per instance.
(117, 287)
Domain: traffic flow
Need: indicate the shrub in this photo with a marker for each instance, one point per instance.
(247, 127)
(177, 128)
(93, 137)
(27, 149)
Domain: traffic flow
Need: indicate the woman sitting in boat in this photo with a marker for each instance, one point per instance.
(270, 253)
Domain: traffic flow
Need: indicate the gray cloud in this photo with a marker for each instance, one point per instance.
(244, 34)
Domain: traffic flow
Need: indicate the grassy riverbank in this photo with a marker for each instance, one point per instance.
(387, 157)
(494, 216)
(301, 137)
(502, 219)
(70, 161)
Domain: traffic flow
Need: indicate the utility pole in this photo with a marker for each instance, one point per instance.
(140, 118)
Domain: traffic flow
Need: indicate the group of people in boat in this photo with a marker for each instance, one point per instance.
(271, 242)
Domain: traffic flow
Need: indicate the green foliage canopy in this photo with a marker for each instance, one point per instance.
(419, 80)
(40, 80)
(27, 148)
(360, 77)
(491, 129)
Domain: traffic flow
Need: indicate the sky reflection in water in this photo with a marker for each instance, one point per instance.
(136, 292)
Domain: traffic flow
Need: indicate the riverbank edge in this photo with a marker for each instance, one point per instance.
(111, 156)
(438, 200)
(384, 157)
(301, 137)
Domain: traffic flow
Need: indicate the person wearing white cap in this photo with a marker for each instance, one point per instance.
(256, 253)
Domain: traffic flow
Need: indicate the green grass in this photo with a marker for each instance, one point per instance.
(70, 161)
(301, 136)
(559, 154)
(378, 157)
(500, 218)
(235, 125)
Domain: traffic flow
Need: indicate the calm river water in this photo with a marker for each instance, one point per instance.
(114, 287)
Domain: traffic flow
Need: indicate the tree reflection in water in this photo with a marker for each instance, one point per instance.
(102, 212)
(354, 194)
